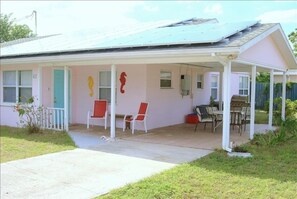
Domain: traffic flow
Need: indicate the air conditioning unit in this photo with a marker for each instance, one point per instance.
(185, 84)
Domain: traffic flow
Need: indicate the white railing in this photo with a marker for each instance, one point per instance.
(53, 118)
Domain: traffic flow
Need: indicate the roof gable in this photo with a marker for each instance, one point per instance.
(265, 52)
(271, 47)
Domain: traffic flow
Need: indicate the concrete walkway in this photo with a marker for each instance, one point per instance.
(78, 173)
(96, 168)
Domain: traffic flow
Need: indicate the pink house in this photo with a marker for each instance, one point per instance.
(174, 67)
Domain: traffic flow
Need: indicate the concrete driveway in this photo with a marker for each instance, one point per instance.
(94, 169)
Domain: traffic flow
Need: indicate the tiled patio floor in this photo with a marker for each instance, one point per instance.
(178, 135)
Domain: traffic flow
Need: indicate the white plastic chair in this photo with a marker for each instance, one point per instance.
(140, 117)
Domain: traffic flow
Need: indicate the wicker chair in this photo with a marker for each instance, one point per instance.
(247, 115)
(236, 119)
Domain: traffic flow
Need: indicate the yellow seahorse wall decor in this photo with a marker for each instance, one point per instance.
(91, 85)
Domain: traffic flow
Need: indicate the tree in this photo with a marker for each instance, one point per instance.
(263, 77)
(293, 39)
(10, 31)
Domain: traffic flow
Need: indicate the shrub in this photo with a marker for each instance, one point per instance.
(290, 126)
(286, 131)
(291, 109)
(30, 115)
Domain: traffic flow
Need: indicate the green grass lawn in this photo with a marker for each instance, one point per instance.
(17, 143)
(271, 173)
(261, 117)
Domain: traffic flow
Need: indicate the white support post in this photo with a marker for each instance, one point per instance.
(66, 100)
(284, 96)
(112, 103)
(271, 99)
(226, 111)
(253, 99)
(221, 92)
(39, 76)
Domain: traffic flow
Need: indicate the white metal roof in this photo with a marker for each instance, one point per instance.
(149, 36)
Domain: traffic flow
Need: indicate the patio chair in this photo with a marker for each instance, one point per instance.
(247, 116)
(236, 118)
(140, 117)
(215, 117)
(203, 117)
(99, 112)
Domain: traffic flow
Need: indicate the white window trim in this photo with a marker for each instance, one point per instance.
(218, 85)
(166, 71)
(248, 84)
(16, 86)
(98, 85)
(202, 81)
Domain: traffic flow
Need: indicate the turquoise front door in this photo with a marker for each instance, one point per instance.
(59, 89)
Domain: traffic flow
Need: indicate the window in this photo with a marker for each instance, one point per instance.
(214, 86)
(243, 85)
(17, 86)
(165, 79)
(199, 81)
(105, 85)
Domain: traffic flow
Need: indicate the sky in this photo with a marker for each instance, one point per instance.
(67, 16)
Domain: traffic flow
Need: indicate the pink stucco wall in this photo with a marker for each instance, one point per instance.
(235, 83)
(128, 102)
(166, 106)
(265, 51)
(8, 116)
(201, 96)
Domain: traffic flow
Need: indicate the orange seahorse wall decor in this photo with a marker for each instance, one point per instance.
(123, 81)
(91, 85)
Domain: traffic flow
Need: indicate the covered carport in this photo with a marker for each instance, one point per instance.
(257, 48)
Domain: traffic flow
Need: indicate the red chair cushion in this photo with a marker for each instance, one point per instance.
(100, 107)
(142, 111)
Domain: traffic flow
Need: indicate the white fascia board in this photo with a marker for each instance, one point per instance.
(288, 50)
(123, 57)
(286, 41)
